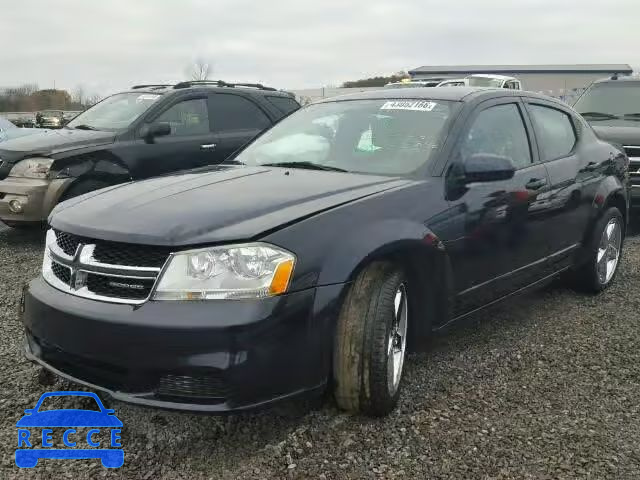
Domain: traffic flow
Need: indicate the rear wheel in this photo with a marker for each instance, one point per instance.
(371, 340)
(605, 249)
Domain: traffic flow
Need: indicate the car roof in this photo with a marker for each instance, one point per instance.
(215, 85)
(621, 78)
(456, 94)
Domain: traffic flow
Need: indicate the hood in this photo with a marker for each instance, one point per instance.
(19, 132)
(623, 134)
(50, 142)
(227, 203)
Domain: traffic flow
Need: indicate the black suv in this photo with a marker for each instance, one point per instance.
(147, 131)
(612, 107)
(314, 258)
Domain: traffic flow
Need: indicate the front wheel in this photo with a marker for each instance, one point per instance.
(605, 249)
(371, 341)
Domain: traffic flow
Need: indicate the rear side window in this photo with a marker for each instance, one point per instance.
(555, 130)
(233, 112)
(285, 104)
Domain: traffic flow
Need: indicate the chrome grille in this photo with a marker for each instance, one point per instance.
(67, 242)
(100, 270)
(633, 152)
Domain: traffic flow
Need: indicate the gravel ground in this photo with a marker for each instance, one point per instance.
(545, 387)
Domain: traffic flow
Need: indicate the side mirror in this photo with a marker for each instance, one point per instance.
(486, 167)
(153, 130)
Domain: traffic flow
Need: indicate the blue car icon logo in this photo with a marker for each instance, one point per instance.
(35, 434)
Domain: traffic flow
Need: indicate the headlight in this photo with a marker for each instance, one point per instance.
(254, 270)
(32, 168)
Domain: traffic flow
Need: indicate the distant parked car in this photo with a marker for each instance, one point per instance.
(49, 119)
(612, 107)
(495, 81)
(9, 131)
(454, 82)
(147, 131)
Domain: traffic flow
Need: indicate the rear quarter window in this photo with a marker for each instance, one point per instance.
(285, 104)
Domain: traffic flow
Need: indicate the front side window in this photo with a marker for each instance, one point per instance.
(555, 129)
(114, 113)
(386, 137)
(500, 131)
(190, 117)
(233, 112)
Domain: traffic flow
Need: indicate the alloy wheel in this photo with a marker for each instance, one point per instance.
(608, 253)
(397, 341)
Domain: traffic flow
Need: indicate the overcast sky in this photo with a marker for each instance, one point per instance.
(113, 44)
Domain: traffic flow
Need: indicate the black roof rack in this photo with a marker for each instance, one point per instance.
(136, 87)
(221, 83)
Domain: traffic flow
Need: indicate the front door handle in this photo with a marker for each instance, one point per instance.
(536, 183)
(208, 146)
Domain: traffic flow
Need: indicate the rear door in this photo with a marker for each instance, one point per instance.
(236, 120)
(503, 243)
(188, 144)
(573, 179)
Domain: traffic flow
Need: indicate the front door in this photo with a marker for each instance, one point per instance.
(503, 244)
(190, 144)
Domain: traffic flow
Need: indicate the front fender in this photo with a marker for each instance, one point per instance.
(345, 257)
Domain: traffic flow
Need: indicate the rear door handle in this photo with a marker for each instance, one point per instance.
(536, 183)
(208, 146)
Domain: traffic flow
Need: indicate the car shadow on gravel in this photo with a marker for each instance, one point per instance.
(27, 237)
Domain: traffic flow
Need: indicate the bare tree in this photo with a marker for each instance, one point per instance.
(200, 70)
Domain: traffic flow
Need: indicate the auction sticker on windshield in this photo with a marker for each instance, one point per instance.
(419, 105)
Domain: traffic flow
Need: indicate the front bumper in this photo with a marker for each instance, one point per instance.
(211, 356)
(37, 198)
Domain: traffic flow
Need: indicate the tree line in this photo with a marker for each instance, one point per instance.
(30, 98)
(375, 81)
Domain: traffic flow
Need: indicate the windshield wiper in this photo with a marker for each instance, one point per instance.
(608, 116)
(632, 115)
(305, 165)
(85, 127)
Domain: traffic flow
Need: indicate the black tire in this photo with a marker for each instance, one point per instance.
(361, 351)
(82, 187)
(586, 277)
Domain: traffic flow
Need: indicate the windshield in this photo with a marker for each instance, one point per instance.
(485, 82)
(114, 113)
(386, 137)
(613, 98)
